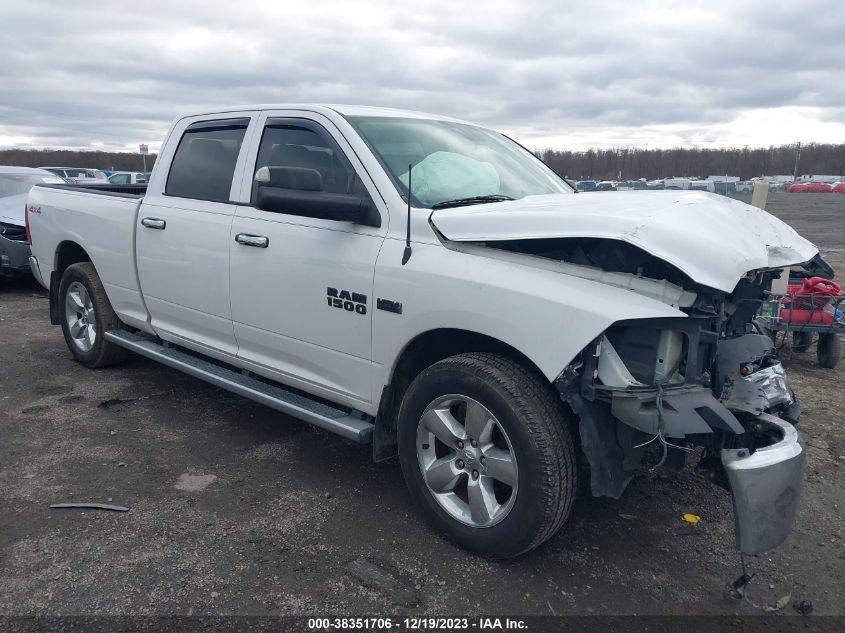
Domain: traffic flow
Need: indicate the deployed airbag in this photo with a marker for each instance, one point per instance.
(443, 176)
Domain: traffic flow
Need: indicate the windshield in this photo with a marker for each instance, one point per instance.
(16, 184)
(455, 162)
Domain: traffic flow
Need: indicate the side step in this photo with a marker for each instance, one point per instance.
(358, 429)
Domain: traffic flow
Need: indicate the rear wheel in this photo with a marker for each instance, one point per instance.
(486, 452)
(86, 316)
(829, 350)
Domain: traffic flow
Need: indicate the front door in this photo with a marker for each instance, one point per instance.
(301, 288)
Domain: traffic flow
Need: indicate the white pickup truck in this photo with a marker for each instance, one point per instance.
(429, 287)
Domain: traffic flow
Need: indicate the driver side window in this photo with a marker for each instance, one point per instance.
(300, 170)
(302, 159)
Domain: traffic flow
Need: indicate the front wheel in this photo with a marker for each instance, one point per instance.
(486, 451)
(86, 316)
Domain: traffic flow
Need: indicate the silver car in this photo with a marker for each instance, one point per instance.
(15, 183)
(79, 175)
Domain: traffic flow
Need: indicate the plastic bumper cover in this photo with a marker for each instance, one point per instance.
(766, 487)
(14, 256)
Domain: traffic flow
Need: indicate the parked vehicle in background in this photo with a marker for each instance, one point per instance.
(677, 183)
(586, 185)
(606, 185)
(15, 183)
(79, 175)
(839, 187)
(655, 185)
(467, 313)
(809, 187)
(128, 178)
(819, 178)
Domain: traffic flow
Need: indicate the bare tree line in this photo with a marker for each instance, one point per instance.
(626, 163)
(114, 161)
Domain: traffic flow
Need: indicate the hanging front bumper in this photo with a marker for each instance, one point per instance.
(766, 487)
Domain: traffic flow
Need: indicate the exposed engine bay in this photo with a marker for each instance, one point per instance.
(651, 391)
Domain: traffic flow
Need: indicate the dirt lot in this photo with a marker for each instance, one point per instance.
(236, 509)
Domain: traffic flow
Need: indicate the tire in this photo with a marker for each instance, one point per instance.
(801, 341)
(81, 295)
(829, 350)
(525, 420)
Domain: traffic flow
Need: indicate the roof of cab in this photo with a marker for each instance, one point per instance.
(342, 109)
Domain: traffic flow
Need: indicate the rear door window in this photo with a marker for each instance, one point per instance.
(204, 163)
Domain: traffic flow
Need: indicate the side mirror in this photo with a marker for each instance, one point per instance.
(299, 191)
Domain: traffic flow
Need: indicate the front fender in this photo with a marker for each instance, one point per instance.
(546, 315)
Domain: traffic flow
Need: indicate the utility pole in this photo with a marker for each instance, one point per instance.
(797, 158)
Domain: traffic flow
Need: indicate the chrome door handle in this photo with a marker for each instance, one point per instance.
(259, 241)
(154, 223)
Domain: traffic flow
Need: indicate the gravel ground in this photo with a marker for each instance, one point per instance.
(235, 509)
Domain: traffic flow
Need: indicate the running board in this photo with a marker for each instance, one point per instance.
(348, 425)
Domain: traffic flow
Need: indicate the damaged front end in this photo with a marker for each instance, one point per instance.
(657, 389)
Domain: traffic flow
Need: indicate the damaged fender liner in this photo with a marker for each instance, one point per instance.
(613, 459)
(686, 411)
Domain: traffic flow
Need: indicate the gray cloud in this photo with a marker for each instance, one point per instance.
(552, 74)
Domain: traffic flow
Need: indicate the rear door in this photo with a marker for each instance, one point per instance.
(183, 232)
(301, 287)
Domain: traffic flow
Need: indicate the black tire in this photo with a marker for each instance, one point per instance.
(102, 353)
(801, 341)
(829, 350)
(538, 430)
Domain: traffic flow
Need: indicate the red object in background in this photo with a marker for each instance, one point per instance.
(818, 187)
(803, 316)
(810, 187)
(811, 293)
(839, 187)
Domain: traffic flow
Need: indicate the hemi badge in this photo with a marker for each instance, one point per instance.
(389, 306)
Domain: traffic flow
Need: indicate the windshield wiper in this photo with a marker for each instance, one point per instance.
(460, 202)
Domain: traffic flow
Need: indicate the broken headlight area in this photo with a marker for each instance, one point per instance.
(650, 391)
(748, 377)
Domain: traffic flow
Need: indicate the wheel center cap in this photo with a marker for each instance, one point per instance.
(469, 457)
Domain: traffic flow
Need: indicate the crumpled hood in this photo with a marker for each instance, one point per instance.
(12, 209)
(713, 239)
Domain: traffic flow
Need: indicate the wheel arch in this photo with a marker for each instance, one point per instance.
(68, 253)
(420, 352)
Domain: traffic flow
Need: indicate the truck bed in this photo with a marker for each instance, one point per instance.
(127, 191)
(99, 221)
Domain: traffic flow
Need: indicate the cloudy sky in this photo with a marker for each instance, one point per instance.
(553, 74)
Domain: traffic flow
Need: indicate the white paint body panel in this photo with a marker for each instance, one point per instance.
(711, 238)
(104, 227)
(266, 309)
